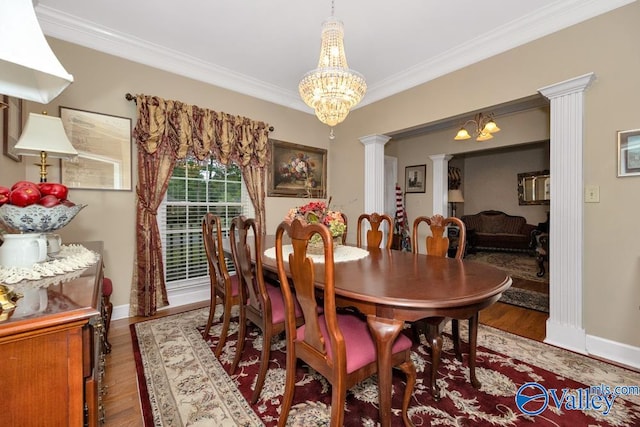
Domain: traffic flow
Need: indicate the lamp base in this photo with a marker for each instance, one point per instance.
(43, 166)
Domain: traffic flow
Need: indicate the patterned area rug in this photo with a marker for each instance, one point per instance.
(521, 267)
(183, 384)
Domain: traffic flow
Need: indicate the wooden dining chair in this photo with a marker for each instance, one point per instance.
(346, 228)
(264, 305)
(437, 244)
(223, 286)
(338, 346)
(376, 233)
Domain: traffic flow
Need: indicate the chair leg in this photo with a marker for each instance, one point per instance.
(212, 311)
(264, 365)
(242, 332)
(410, 371)
(435, 340)
(338, 396)
(226, 320)
(290, 383)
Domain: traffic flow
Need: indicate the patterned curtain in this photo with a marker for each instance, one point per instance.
(165, 132)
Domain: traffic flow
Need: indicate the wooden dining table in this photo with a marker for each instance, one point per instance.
(393, 287)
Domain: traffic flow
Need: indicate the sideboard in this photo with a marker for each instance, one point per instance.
(52, 361)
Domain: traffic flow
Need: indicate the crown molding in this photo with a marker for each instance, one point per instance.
(545, 21)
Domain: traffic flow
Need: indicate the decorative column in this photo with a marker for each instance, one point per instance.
(440, 183)
(374, 172)
(565, 326)
(374, 175)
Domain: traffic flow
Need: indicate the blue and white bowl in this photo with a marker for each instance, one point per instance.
(37, 218)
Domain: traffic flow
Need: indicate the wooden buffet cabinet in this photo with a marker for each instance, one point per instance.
(52, 362)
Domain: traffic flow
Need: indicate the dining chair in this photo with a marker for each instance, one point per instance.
(264, 305)
(437, 244)
(375, 234)
(346, 228)
(339, 346)
(223, 286)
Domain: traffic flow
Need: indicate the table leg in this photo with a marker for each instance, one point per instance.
(435, 341)
(385, 332)
(473, 341)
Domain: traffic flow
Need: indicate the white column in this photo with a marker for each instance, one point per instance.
(565, 324)
(440, 183)
(374, 172)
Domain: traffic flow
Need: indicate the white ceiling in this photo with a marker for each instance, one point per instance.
(262, 48)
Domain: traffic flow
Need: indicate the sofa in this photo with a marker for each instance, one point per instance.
(495, 230)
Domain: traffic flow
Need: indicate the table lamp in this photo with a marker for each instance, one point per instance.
(455, 196)
(44, 136)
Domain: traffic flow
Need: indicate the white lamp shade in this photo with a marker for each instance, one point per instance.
(45, 133)
(28, 67)
(455, 196)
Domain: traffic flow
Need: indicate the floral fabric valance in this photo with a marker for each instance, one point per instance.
(203, 131)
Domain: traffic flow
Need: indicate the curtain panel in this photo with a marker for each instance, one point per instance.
(165, 132)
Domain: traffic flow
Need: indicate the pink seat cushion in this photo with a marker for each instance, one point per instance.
(359, 344)
(107, 287)
(277, 304)
(235, 285)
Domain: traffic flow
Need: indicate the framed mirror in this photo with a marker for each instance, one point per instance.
(534, 188)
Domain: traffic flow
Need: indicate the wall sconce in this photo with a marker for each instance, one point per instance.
(484, 127)
(44, 136)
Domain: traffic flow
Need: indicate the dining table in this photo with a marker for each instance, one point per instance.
(393, 287)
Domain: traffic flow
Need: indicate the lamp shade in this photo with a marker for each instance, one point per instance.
(28, 67)
(45, 133)
(455, 196)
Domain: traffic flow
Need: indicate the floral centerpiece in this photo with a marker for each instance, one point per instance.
(319, 212)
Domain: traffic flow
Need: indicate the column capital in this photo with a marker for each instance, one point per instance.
(374, 139)
(567, 87)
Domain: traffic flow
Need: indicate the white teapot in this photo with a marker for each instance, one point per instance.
(23, 250)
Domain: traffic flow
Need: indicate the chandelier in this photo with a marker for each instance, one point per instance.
(484, 127)
(332, 89)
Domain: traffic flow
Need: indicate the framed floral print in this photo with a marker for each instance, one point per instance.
(629, 153)
(297, 171)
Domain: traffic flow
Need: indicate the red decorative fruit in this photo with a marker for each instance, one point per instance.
(23, 183)
(4, 191)
(50, 188)
(24, 196)
(3, 199)
(49, 200)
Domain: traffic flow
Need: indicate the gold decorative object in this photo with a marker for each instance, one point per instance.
(484, 127)
(332, 89)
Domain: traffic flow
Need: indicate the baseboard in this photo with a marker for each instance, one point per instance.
(623, 354)
(565, 336)
(177, 298)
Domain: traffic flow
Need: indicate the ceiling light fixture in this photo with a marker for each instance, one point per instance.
(485, 126)
(28, 67)
(332, 89)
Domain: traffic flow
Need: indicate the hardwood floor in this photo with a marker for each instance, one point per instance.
(122, 404)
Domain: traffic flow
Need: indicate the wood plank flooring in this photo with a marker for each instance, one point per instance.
(122, 404)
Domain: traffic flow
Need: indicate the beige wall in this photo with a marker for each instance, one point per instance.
(606, 45)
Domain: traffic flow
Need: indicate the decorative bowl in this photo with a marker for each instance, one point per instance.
(37, 218)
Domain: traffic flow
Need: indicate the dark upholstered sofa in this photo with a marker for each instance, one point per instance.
(495, 230)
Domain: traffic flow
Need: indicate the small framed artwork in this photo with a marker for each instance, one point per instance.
(103, 143)
(297, 171)
(414, 177)
(629, 153)
(11, 126)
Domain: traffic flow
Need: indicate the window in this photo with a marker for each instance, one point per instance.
(195, 188)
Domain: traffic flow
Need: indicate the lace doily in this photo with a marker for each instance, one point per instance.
(67, 264)
(340, 254)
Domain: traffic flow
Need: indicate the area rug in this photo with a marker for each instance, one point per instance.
(183, 384)
(517, 264)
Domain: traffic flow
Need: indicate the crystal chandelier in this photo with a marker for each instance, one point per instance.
(332, 89)
(484, 127)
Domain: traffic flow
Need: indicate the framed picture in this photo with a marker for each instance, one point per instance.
(11, 126)
(629, 152)
(297, 171)
(414, 177)
(103, 143)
